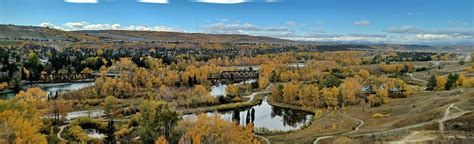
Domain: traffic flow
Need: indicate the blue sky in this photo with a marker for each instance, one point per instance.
(377, 21)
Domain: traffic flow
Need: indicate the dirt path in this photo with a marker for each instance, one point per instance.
(266, 140)
(415, 137)
(61, 128)
(320, 138)
(361, 122)
(252, 96)
(446, 117)
(411, 76)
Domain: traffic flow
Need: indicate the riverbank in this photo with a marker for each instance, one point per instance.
(252, 102)
(329, 123)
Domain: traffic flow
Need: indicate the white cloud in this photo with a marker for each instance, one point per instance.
(245, 28)
(362, 23)
(154, 1)
(404, 30)
(74, 26)
(440, 37)
(222, 1)
(81, 1)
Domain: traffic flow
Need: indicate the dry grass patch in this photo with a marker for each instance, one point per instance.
(329, 124)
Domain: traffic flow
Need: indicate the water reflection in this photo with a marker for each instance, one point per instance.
(219, 89)
(51, 88)
(267, 116)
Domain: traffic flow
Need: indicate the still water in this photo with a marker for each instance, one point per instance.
(265, 116)
(52, 88)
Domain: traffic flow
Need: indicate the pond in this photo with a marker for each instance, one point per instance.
(265, 116)
(219, 89)
(51, 88)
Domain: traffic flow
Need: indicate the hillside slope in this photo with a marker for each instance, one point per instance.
(34, 32)
(177, 36)
(43, 33)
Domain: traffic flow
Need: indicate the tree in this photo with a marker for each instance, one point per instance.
(109, 106)
(431, 83)
(59, 108)
(364, 73)
(382, 93)
(213, 129)
(468, 83)
(34, 95)
(161, 140)
(330, 96)
(460, 79)
(277, 92)
(232, 91)
(440, 83)
(348, 92)
(452, 79)
(290, 92)
(20, 122)
(157, 119)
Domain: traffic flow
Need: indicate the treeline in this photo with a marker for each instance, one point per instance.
(372, 89)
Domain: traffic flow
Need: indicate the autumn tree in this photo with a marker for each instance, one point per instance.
(213, 129)
(35, 96)
(348, 92)
(20, 122)
(290, 92)
(382, 93)
(440, 83)
(468, 83)
(309, 95)
(157, 119)
(364, 73)
(461, 79)
(232, 91)
(330, 96)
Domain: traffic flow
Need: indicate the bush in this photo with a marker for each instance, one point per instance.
(77, 132)
(379, 115)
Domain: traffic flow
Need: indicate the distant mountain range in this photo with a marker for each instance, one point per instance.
(44, 33)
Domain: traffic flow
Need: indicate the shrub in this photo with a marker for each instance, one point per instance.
(379, 115)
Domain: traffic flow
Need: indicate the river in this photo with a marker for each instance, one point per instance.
(51, 88)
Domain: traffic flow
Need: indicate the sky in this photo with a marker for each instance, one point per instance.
(353, 21)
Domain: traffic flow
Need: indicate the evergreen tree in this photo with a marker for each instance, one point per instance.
(111, 132)
(452, 79)
(431, 83)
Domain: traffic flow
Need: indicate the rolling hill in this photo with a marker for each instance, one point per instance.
(34, 32)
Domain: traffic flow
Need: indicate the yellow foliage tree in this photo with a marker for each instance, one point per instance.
(161, 140)
(213, 129)
(364, 73)
(468, 83)
(440, 83)
(232, 90)
(34, 95)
